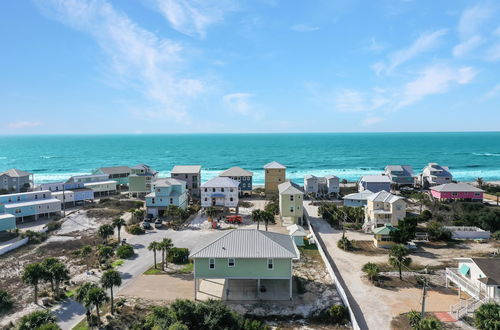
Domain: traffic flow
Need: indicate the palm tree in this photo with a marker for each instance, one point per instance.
(105, 231)
(398, 257)
(47, 274)
(118, 223)
(267, 217)
(96, 296)
(166, 245)
(257, 217)
(109, 279)
(85, 252)
(480, 182)
(211, 212)
(104, 252)
(371, 270)
(172, 212)
(487, 316)
(138, 214)
(154, 246)
(32, 275)
(59, 273)
(81, 296)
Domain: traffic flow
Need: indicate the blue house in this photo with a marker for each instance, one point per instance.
(31, 205)
(69, 192)
(7, 221)
(374, 183)
(243, 176)
(166, 192)
(357, 199)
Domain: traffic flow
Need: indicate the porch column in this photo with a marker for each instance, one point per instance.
(195, 287)
(290, 281)
(258, 288)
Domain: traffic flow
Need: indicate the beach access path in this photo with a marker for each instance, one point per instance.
(70, 313)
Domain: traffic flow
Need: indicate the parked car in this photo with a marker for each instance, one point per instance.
(234, 219)
(158, 223)
(146, 225)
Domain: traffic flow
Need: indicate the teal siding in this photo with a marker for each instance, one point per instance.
(7, 222)
(244, 268)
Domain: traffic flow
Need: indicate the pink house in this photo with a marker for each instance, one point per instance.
(457, 191)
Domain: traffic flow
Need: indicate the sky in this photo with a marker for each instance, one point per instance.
(230, 66)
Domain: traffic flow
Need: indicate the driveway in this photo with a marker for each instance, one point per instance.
(71, 313)
(378, 305)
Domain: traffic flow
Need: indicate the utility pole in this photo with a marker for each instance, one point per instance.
(424, 294)
(64, 201)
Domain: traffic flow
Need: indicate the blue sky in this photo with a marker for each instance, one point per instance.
(173, 66)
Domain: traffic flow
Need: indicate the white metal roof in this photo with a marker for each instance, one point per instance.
(186, 169)
(376, 178)
(248, 243)
(274, 165)
(456, 187)
(296, 230)
(15, 173)
(290, 188)
(384, 196)
(236, 171)
(221, 182)
(363, 195)
(32, 202)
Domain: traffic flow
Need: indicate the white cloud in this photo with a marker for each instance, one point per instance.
(375, 46)
(467, 46)
(349, 100)
(494, 92)
(138, 58)
(239, 103)
(424, 43)
(371, 120)
(304, 28)
(194, 17)
(472, 18)
(493, 53)
(434, 80)
(23, 124)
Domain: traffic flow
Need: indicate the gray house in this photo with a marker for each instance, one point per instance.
(374, 183)
(400, 175)
(15, 180)
(191, 174)
(434, 175)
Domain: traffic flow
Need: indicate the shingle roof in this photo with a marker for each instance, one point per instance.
(221, 182)
(490, 267)
(248, 243)
(236, 171)
(384, 196)
(375, 178)
(15, 173)
(274, 165)
(115, 169)
(186, 169)
(456, 187)
(289, 188)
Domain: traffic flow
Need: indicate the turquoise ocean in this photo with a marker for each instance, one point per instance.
(347, 155)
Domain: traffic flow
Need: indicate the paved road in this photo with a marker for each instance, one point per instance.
(71, 313)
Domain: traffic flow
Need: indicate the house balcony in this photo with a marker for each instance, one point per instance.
(453, 275)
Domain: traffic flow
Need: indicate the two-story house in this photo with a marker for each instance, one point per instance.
(31, 205)
(140, 179)
(457, 191)
(191, 174)
(383, 208)
(7, 220)
(15, 180)
(251, 264)
(166, 192)
(325, 186)
(68, 192)
(400, 175)
(374, 183)
(116, 173)
(274, 175)
(99, 183)
(291, 197)
(434, 175)
(220, 192)
(241, 175)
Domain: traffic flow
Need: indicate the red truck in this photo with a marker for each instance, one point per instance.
(234, 219)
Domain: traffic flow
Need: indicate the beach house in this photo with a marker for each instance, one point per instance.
(327, 186)
(297, 233)
(383, 208)
(191, 174)
(400, 175)
(100, 184)
(220, 192)
(247, 264)
(478, 277)
(457, 191)
(291, 197)
(68, 192)
(166, 192)
(357, 199)
(241, 175)
(116, 173)
(374, 183)
(140, 180)
(7, 220)
(382, 236)
(274, 174)
(31, 205)
(15, 180)
(434, 174)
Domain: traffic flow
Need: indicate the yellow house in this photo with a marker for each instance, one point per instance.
(275, 174)
(290, 202)
(383, 208)
(382, 236)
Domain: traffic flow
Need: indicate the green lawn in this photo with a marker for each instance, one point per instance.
(117, 263)
(187, 269)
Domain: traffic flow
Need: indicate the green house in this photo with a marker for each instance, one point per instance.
(248, 264)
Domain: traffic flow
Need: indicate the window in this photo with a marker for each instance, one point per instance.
(205, 199)
(186, 176)
(213, 189)
(19, 198)
(222, 189)
(291, 208)
(44, 196)
(454, 194)
(477, 194)
(152, 200)
(270, 264)
(230, 262)
(291, 198)
(206, 189)
(18, 211)
(231, 199)
(211, 263)
(171, 200)
(231, 190)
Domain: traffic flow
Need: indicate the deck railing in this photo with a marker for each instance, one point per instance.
(453, 275)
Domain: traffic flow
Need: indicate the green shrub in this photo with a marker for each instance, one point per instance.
(338, 314)
(426, 215)
(125, 251)
(487, 316)
(6, 302)
(344, 243)
(54, 225)
(414, 318)
(437, 232)
(34, 237)
(178, 255)
(371, 270)
(496, 235)
(135, 229)
(36, 320)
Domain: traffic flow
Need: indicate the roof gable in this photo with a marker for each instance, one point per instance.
(274, 165)
(290, 188)
(236, 171)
